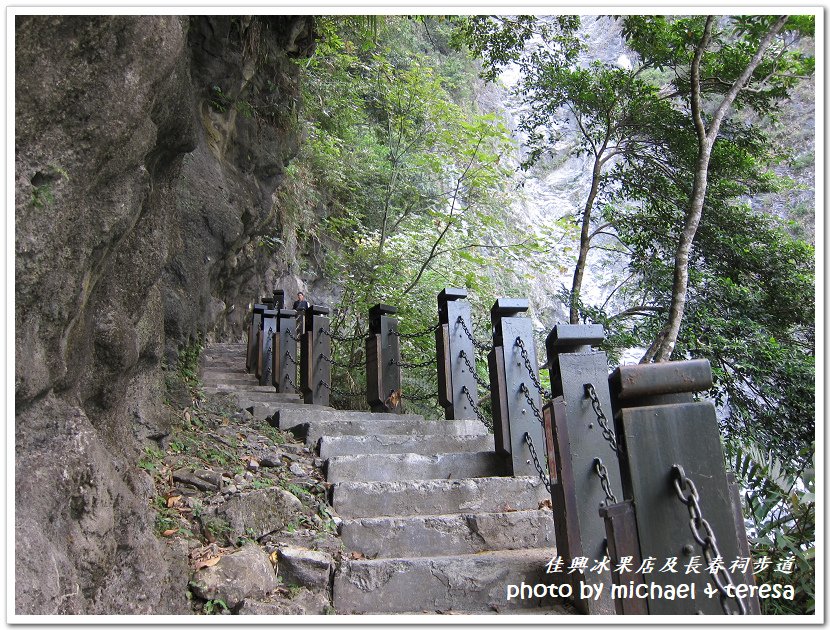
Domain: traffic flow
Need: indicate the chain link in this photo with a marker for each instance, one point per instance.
(475, 407)
(477, 344)
(538, 385)
(602, 473)
(336, 337)
(691, 499)
(347, 366)
(423, 333)
(404, 364)
(607, 433)
(545, 477)
(340, 392)
(523, 388)
(290, 382)
(481, 382)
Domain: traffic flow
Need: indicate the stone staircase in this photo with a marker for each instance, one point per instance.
(430, 524)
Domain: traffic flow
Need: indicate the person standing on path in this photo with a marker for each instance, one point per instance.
(300, 305)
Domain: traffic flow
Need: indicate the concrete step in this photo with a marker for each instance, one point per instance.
(462, 582)
(331, 446)
(291, 418)
(357, 499)
(313, 431)
(411, 466)
(266, 410)
(448, 534)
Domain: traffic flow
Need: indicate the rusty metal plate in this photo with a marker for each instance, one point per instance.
(656, 438)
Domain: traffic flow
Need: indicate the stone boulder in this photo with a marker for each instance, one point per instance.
(246, 573)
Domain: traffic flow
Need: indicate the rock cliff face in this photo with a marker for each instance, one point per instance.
(149, 151)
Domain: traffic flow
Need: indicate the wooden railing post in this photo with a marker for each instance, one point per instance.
(517, 403)
(383, 356)
(669, 444)
(453, 345)
(285, 356)
(252, 355)
(582, 452)
(315, 357)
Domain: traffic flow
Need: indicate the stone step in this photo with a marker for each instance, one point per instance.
(237, 388)
(313, 431)
(331, 446)
(246, 399)
(448, 534)
(411, 466)
(265, 411)
(358, 499)
(447, 583)
(291, 418)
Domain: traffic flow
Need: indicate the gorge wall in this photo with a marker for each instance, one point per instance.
(148, 156)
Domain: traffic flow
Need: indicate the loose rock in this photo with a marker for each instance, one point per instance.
(246, 573)
(305, 567)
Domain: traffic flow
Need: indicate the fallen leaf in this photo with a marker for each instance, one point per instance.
(508, 508)
(274, 558)
(546, 504)
(187, 416)
(172, 501)
(169, 532)
(206, 563)
(356, 555)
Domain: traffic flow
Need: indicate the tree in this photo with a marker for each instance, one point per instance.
(741, 62)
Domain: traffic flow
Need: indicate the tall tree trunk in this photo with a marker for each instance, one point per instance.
(584, 240)
(663, 346)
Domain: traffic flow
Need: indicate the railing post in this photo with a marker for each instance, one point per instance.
(383, 354)
(268, 325)
(670, 444)
(315, 349)
(452, 346)
(582, 451)
(279, 299)
(517, 404)
(285, 356)
(253, 332)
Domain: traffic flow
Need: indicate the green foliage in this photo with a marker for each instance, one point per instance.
(413, 182)
(187, 366)
(214, 607)
(780, 511)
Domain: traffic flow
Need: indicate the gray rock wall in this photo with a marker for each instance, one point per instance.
(139, 200)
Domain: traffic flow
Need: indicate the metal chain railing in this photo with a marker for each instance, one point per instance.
(481, 382)
(477, 344)
(336, 337)
(536, 383)
(413, 366)
(688, 495)
(290, 382)
(347, 366)
(340, 392)
(475, 407)
(416, 335)
(602, 473)
(523, 388)
(545, 477)
(607, 433)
